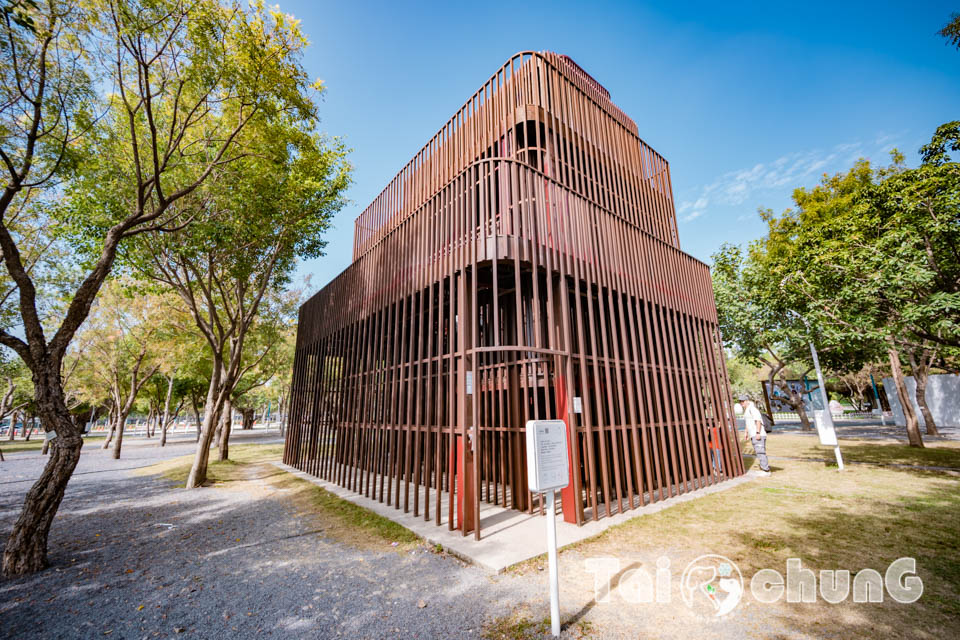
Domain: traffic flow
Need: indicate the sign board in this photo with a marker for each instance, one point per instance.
(469, 385)
(777, 397)
(547, 465)
(577, 404)
(828, 436)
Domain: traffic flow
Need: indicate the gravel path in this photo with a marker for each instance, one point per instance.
(132, 557)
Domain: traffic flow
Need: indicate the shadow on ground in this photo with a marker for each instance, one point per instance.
(133, 557)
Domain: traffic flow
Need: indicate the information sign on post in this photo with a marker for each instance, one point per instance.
(547, 466)
(548, 469)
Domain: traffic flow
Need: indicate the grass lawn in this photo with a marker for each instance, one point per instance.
(35, 443)
(250, 464)
(863, 517)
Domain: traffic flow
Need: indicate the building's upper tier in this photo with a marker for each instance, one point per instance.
(541, 109)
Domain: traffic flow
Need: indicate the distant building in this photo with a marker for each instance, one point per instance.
(525, 264)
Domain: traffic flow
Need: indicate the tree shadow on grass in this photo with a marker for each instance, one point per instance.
(901, 454)
(923, 526)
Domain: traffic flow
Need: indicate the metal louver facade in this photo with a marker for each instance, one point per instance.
(524, 265)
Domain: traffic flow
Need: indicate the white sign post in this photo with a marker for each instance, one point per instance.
(548, 469)
(824, 419)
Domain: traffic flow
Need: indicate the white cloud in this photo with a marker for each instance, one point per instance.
(692, 210)
(800, 168)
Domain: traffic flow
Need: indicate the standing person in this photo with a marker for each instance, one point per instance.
(756, 434)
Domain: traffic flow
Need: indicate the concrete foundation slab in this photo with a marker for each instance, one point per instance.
(508, 536)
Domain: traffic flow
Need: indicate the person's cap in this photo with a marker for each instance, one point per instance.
(744, 398)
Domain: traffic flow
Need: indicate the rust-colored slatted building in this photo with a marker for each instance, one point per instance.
(523, 265)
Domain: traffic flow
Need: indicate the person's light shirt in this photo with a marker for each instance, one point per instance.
(753, 422)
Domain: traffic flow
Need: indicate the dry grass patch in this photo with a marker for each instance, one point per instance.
(218, 472)
(864, 517)
(346, 521)
(519, 625)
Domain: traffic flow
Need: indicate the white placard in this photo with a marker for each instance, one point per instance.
(577, 404)
(548, 467)
(828, 436)
(469, 383)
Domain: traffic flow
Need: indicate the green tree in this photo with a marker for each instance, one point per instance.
(875, 258)
(16, 391)
(123, 348)
(758, 324)
(745, 378)
(271, 209)
(187, 78)
(269, 358)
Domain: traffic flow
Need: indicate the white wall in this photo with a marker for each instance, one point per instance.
(943, 398)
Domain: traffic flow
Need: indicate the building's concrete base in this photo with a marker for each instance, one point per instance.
(507, 536)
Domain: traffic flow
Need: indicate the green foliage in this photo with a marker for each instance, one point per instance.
(882, 263)
(754, 318)
(868, 258)
(20, 13)
(190, 80)
(951, 31)
(45, 79)
(745, 379)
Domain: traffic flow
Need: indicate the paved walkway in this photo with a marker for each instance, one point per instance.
(862, 429)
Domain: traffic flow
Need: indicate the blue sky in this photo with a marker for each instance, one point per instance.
(746, 102)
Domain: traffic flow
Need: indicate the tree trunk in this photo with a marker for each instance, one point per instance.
(804, 418)
(913, 428)
(921, 373)
(928, 420)
(26, 548)
(166, 412)
(118, 442)
(88, 428)
(796, 403)
(111, 427)
(211, 417)
(13, 426)
(248, 416)
(280, 406)
(28, 428)
(226, 425)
